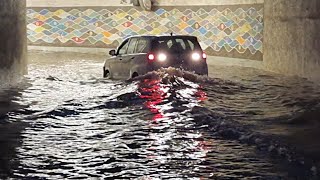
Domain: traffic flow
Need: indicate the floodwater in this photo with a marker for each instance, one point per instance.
(67, 122)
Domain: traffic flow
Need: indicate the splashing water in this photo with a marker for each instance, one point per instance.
(159, 125)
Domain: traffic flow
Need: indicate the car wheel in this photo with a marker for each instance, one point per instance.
(135, 74)
(106, 73)
(135, 2)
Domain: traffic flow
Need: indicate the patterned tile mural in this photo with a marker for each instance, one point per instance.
(233, 31)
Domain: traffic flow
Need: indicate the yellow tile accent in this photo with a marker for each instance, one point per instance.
(106, 34)
(59, 12)
(39, 29)
(183, 25)
(107, 41)
(41, 18)
(240, 40)
(156, 31)
(121, 15)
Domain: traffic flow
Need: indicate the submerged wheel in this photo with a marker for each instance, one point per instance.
(106, 73)
(135, 74)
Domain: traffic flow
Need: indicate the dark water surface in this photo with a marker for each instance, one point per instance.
(68, 122)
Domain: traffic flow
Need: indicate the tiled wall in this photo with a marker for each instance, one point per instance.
(231, 30)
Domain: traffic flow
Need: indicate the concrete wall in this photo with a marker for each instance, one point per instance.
(12, 40)
(228, 28)
(292, 37)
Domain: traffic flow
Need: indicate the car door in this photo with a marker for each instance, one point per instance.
(138, 60)
(127, 61)
(117, 62)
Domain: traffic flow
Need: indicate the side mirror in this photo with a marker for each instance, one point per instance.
(112, 52)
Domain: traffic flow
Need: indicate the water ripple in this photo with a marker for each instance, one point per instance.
(154, 126)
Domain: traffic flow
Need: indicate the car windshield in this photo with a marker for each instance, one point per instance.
(176, 44)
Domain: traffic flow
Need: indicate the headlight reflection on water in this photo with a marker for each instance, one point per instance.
(170, 103)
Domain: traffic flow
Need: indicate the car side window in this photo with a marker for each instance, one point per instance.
(132, 46)
(123, 48)
(191, 44)
(142, 46)
(169, 43)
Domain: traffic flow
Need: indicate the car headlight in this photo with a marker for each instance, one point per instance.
(196, 56)
(162, 57)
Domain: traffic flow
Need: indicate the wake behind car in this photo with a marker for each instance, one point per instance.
(138, 55)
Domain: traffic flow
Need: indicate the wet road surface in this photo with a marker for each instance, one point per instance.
(66, 121)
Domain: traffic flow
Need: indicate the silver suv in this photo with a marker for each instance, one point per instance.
(141, 54)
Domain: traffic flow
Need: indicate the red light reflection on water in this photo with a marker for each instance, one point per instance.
(151, 90)
(201, 95)
(155, 92)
